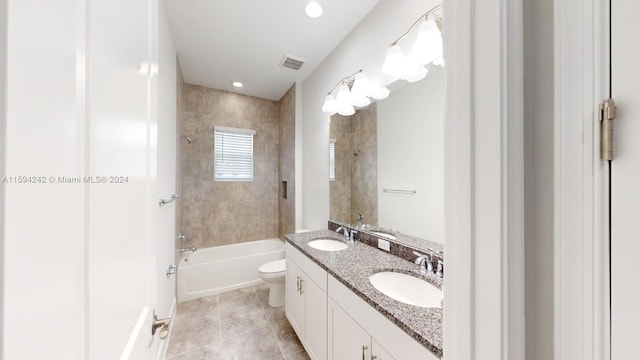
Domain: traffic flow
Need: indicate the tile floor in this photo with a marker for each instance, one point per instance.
(236, 325)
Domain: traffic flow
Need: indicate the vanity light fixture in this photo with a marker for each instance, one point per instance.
(313, 9)
(351, 92)
(426, 49)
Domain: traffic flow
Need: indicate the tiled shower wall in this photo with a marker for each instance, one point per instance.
(340, 188)
(287, 163)
(226, 212)
(364, 180)
(354, 190)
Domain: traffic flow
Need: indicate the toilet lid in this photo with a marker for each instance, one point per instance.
(273, 266)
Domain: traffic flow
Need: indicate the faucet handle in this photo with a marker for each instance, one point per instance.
(440, 270)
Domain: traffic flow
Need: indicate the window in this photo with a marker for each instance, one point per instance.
(233, 154)
(332, 160)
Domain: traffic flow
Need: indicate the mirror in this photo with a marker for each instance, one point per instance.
(387, 162)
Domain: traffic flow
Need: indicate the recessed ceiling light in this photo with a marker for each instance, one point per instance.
(237, 84)
(313, 9)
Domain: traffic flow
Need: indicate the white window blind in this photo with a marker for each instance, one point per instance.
(233, 154)
(332, 160)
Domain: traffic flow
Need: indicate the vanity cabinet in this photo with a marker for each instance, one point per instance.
(347, 340)
(306, 302)
(353, 323)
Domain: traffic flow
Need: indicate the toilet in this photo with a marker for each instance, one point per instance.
(273, 273)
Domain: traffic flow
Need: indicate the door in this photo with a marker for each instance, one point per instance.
(294, 302)
(165, 227)
(347, 340)
(315, 318)
(378, 352)
(625, 181)
(123, 204)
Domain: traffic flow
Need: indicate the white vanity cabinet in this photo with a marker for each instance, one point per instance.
(353, 323)
(347, 340)
(306, 302)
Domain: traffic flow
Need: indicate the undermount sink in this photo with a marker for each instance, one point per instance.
(328, 245)
(384, 234)
(407, 289)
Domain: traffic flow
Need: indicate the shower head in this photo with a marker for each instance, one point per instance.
(189, 140)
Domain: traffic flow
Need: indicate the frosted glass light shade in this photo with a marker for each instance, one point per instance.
(344, 97)
(330, 105)
(395, 64)
(416, 74)
(347, 111)
(360, 86)
(428, 45)
(361, 101)
(380, 93)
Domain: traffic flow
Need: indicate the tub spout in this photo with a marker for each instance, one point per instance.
(186, 250)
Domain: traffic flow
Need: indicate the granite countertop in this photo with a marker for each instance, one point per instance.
(354, 265)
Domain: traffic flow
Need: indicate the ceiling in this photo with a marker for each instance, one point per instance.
(220, 41)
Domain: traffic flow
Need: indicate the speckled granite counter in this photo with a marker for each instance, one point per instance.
(353, 266)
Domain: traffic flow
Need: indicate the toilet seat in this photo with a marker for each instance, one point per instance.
(273, 267)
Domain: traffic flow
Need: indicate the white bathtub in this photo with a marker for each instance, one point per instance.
(219, 269)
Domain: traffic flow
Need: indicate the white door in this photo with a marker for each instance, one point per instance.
(294, 301)
(625, 180)
(123, 213)
(347, 340)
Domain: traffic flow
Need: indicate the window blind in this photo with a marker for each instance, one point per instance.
(332, 160)
(233, 154)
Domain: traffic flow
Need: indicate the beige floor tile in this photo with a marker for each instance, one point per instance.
(236, 325)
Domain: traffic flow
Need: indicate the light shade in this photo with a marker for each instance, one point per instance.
(330, 105)
(313, 9)
(428, 45)
(395, 64)
(380, 93)
(361, 101)
(347, 111)
(416, 74)
(344, 97)
(360, 86)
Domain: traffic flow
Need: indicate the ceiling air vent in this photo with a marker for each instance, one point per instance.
(291, 62)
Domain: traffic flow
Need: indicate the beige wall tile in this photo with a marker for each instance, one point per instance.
(219, 213)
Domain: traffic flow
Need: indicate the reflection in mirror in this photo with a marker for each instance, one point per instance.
(389, 161)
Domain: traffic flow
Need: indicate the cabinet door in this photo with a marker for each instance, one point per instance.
(378, 353)
(315, 319)
(294, 301)
(347, 340)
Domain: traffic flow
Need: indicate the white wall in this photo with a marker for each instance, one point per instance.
(364, 48)
(411, 157)
(539, 180)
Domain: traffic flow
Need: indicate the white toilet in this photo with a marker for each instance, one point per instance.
(273, 273)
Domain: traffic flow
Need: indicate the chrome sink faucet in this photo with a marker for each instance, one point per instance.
(424, 260)
(345, 231)
(426, 263)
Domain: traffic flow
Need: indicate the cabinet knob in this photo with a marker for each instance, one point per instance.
(301, 289)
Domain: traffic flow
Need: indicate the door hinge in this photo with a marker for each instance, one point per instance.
(608, 112)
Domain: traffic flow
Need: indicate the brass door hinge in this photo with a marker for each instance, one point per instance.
(608, 112)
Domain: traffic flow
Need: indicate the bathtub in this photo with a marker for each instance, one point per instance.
(218, 269)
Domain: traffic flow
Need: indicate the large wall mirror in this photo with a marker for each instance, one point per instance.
(387, 161)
